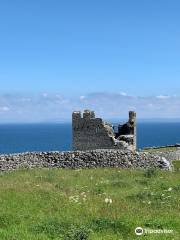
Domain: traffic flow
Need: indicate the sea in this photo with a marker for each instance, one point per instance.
(17, 138)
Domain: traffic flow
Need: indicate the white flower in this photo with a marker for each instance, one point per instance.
(170, 189)
(83, 193)
(108, 200)
(74, 199)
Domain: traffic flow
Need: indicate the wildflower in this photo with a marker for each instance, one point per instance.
(170, 189)
(74, 199)
(108, 200)
(83, 194)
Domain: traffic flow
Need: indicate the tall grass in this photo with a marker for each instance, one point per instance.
(87, 204)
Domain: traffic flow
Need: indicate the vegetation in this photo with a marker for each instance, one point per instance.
(160, 149)
(91, 204)
(176, 165)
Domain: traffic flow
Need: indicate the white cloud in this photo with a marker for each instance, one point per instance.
(82, 97)
(44, 95)
(123, 94)
(150, 105)
(163, 97)
(55, 107)
(58, 96)
(25, 99)
(4, 109)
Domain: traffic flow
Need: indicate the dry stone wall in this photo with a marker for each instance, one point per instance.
(170, 155)
(83, 159)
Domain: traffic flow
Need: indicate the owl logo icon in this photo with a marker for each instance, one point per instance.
(139, 231)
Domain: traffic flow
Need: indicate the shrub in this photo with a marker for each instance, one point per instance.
(153, 223)
(116, 226)
(77, 233)
(7, 220)
(52, 227)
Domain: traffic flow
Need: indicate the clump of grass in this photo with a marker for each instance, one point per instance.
(176, 188)
(77, 233)
(142, 182)
(7, 220)
(119, 183)
(154, 223)
(49, 177)
(176, 165)
(52, 227)
(140, 196)
(115, 226)
(149, 173)
(98, 190)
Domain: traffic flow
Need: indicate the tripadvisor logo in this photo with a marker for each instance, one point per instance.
(139, 231)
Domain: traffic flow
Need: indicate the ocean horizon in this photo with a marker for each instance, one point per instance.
(18, 138)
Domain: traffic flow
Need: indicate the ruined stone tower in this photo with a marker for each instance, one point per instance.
(91, 133)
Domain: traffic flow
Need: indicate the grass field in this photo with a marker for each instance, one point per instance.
(161, 149)
(95, 204)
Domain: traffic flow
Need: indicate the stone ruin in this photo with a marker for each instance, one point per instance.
(90, 133)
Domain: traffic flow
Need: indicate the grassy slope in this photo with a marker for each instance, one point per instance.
(161, 149)
(70, 204)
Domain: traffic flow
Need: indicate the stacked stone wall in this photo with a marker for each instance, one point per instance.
(170, 155)
(83, 159)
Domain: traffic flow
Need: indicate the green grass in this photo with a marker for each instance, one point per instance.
(70, 204)
(176, 164)
(161, 149)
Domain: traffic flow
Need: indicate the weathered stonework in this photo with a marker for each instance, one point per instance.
(91, 133)
(83, 159)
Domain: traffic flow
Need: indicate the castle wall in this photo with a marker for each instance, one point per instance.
(91, 133)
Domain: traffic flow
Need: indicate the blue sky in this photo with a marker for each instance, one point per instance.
(77, 48)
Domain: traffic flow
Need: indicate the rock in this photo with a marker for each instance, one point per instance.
(83, 159)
